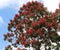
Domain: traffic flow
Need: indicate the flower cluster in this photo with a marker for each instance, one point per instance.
(8, 35)
(39, 32)
(30, 31)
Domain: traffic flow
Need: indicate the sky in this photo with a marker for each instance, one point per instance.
(8, 8)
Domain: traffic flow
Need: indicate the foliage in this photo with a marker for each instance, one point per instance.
(33, 26)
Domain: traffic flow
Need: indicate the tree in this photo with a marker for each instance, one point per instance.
(34, 26)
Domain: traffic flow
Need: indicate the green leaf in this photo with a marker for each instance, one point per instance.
(49, 20)
(58, 45)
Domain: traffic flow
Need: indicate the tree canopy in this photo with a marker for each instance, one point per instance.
(33, 26)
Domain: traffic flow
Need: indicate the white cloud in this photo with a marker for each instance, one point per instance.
(51, 4)
(3, 3)
(8, 3)
(12, 3)
(19, 3)
(1, 20)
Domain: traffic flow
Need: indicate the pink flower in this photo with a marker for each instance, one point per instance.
(30, 31)
(40, 33)
(49, 24)
(33, 41)
(28, 4)
(39, 8)
(20, 49)
(34, 24)
(21, 8)
(23, 43)
(9, 39)
(8, 46)
(5, 35)
(22, 38)
(17, 41)
(16, 16)
(32, 15)
(41, 21)
(11, 34)
(27, 21)
(19, 26)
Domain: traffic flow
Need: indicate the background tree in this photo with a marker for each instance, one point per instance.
(33, 26)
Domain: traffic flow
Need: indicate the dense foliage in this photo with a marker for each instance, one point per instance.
(34, 26)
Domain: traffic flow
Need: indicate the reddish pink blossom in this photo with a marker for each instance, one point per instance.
(19, 26)
(16, 16)
(27, 9)
(40, 33)
(32, 7)
(32, 15)
(28, 4)
(8, 34)
(33, 41)
(12, 22)
(17, 41)
(5, 35)
(41, 21)
(34, 24)
(30, 31)
(11, 34)
(20, 49)
(22, 21)
(8, 46)
(23, 43)
(10, 39)
(21, 8)
(22, 38)
(58, 27)
(24, 6)
(49, 24)
(39, 8)
(27, 21)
